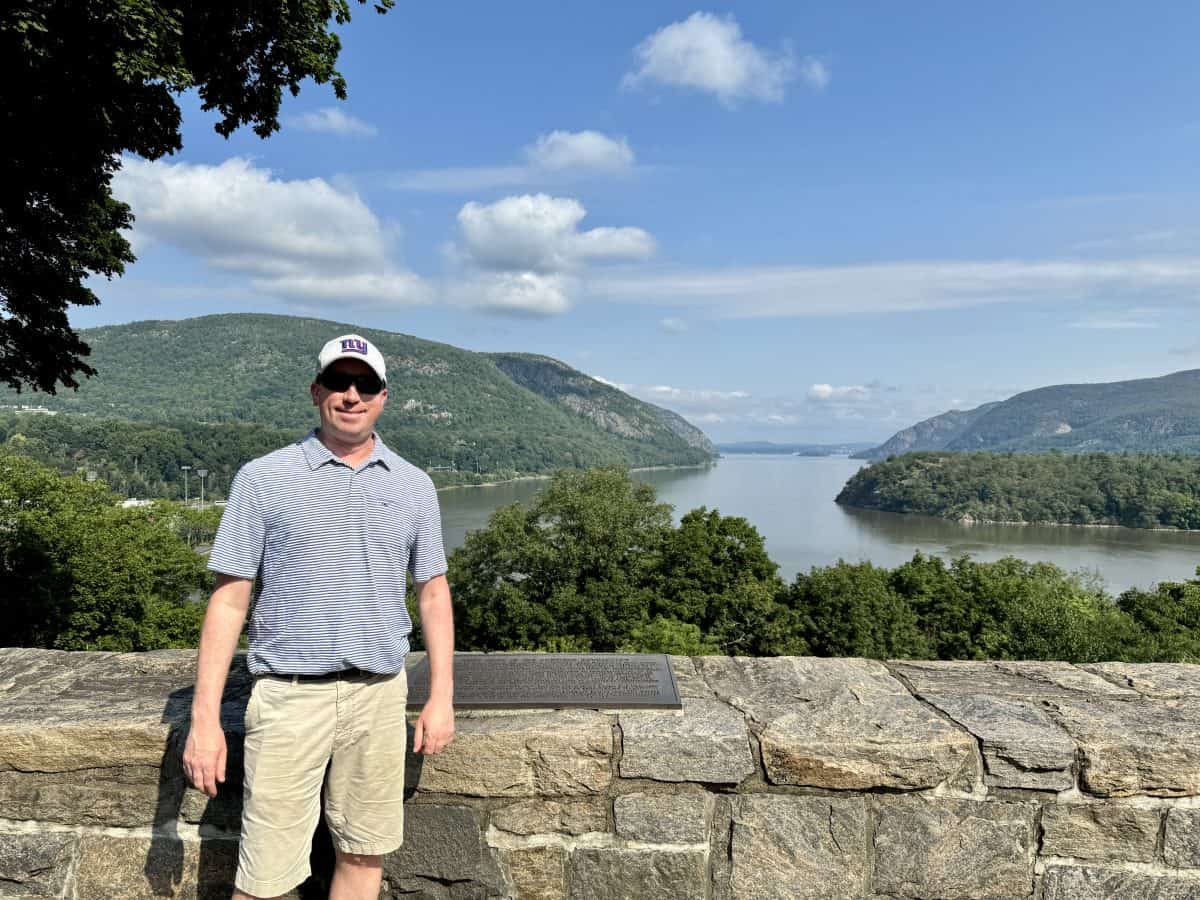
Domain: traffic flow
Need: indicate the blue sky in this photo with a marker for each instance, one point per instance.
(788, 222)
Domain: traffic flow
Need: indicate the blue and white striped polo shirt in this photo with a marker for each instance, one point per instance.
(330, 545)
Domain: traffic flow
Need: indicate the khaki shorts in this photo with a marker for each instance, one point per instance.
(294, 731)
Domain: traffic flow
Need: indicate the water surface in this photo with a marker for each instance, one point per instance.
(789, 499)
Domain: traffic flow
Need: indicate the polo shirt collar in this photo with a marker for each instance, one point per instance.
(317, 454)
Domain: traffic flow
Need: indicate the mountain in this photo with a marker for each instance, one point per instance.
(1147, 415)
(446, 407)
(606, 407)
(770, 448)
(931, 434)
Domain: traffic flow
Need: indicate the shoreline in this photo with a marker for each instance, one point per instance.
(969, 521)
(484, 484)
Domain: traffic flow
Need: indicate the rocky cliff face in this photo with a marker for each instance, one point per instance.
(930, 434)
(604, 406)
(779, 778)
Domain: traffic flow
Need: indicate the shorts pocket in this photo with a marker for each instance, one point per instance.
(253, 714)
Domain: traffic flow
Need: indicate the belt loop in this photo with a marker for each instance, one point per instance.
(295, 679)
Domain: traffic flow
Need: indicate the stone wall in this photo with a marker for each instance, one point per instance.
(780, 778)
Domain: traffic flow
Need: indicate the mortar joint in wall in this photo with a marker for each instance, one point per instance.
(1153, 869)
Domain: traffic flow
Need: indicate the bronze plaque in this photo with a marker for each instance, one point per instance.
(551, 680)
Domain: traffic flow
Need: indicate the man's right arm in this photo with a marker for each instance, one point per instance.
(204, 755)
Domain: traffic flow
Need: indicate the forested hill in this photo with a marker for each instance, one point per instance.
(1148, 415)
(446, 407)
(1138, 491)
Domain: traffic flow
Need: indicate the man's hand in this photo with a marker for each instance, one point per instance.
(435, 727)
(204, 758)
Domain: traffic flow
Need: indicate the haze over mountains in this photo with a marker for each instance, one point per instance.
(446, 407)
(1146, 415)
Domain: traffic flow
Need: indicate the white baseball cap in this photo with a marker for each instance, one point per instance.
(352, 346)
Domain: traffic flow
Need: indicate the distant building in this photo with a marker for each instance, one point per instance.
(30, 409)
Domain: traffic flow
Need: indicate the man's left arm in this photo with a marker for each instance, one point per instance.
(434, 729)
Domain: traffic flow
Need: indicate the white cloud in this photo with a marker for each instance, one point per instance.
(673, 325)
(332, 120)
(612, 384)
(526, 253)
(580, 151)
(823, 392)
(301, 241)
(554, 158)
(815, 73)
(708, 53)
(799, 291)
(514, 293)
(540, 232)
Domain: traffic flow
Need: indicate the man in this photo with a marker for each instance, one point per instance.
(329, 526)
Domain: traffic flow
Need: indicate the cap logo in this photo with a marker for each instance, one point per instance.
(354, 345)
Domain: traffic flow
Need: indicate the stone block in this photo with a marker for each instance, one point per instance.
(1011, 680)
(62, 711)
(612, 874)
(223, 811)
(1081, 883)
(35, 865)
(122, 797)
(1064, 676)
(796, 848)
(840, 723)
(664, 818)
(1131, 748)
(954, 849)
(552, 816)
(707, 741)
(538, 873)
(1181, 846)
(1159, 681)
(688, 679)
(1022, 746)
(846, 742)
(766, 689)
(1100, 832)
(119, 868)
(550, 754)
(412, 889)
(442, 843)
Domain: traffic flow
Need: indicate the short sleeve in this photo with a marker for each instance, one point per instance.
(426, 555)
(238, 548)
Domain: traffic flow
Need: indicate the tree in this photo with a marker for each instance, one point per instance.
(715, 573)
(84, 81)
(1166, 620)
(595, 564)
(851, 609)
(79, 573)
(575, 566)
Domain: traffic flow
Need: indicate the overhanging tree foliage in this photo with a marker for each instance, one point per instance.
(83, 81)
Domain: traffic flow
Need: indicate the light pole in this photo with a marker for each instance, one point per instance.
(186, 469)
(203, 473)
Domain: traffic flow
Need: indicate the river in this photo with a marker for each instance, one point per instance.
(789, 499)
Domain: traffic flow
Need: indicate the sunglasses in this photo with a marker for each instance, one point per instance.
(369, 384)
